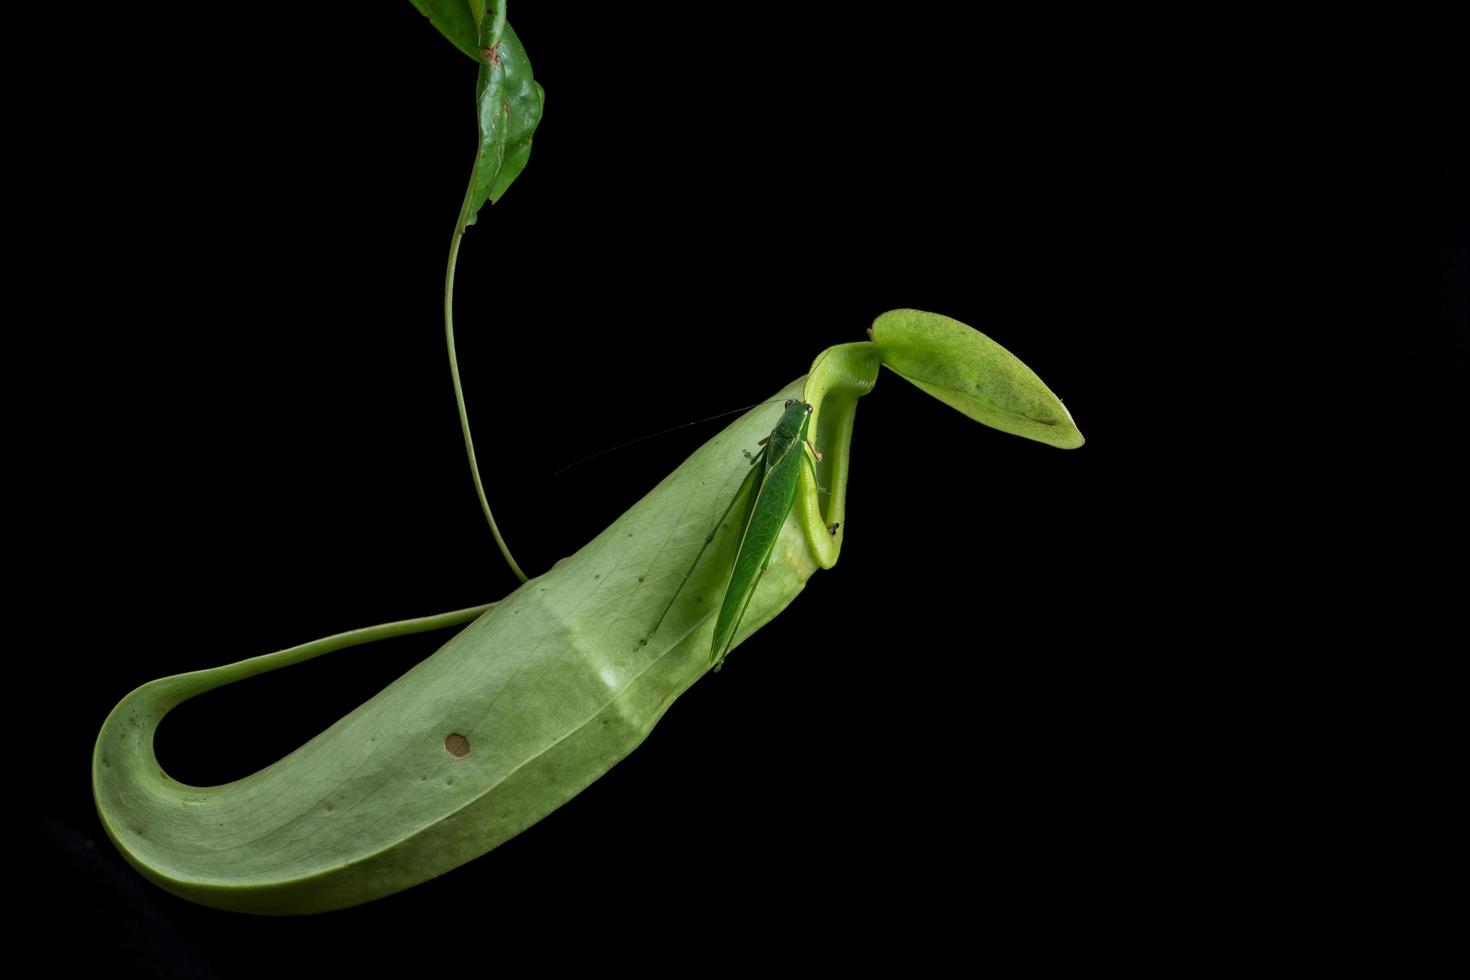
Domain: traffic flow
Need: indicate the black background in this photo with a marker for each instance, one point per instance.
(1041, 692)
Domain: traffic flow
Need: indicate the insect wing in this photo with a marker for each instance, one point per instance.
(771, 504)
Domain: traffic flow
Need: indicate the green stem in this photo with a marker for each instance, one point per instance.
(464, 419)
(497, 26)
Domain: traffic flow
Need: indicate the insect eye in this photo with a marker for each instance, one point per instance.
(790, 402)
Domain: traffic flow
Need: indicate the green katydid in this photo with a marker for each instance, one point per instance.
(764, 499)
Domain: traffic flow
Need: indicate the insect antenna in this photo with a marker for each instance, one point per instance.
(662, 432)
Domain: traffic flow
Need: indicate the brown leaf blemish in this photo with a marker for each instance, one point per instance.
(456, 745)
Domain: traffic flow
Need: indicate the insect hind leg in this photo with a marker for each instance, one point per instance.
(746, 492)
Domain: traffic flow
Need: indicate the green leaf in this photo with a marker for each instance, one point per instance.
(457, 21)
(968, 371)
(509, 103)
(508, 100)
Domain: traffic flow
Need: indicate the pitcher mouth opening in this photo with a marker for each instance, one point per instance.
(839, 376)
